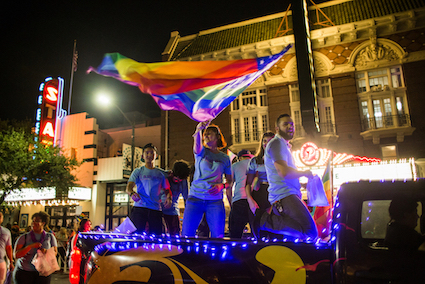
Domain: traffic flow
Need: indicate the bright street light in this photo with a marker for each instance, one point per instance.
(106, 100)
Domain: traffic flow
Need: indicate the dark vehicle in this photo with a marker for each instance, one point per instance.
(353, 253)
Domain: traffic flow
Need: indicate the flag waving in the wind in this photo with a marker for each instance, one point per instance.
(199, 89)
(322, 215)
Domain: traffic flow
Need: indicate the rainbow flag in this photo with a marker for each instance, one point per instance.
(231, 155)
(199, 89)
(322, 215)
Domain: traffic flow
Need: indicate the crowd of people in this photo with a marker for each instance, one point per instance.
(18, 248)
(263, 189)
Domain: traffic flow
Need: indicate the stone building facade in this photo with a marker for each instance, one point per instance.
(369, 65)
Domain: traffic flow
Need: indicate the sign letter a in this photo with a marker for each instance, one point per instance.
(48, 129)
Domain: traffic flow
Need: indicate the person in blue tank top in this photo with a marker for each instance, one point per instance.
(289, 215)
(151, 185)
(206, 190)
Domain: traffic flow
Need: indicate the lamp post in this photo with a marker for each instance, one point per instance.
(106, 100)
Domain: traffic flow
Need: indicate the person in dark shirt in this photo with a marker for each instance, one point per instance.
(401, 233)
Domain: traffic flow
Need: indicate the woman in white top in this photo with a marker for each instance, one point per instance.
(206, 190)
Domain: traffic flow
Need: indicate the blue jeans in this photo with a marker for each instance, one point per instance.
(289, 217)
(214, 213)
(238, 218)
(140, 216)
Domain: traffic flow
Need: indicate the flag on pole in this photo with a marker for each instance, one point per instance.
(199, 89)
(323, 214)
(231, 155)
(74, 60)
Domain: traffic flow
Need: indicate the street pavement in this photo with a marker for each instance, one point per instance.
(60, 278)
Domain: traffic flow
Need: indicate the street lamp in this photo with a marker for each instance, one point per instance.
(106, 100)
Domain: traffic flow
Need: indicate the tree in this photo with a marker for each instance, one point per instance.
(27, 163)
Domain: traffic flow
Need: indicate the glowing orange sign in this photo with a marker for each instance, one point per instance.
(311, 155)
(50, 109)
(48, 130)
(51, 94)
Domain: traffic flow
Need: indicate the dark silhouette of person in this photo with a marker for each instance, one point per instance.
(401, 233)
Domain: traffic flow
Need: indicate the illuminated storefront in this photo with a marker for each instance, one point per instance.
(62, 211)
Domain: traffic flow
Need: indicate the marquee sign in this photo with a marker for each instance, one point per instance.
(49, 110)
(46, 193)
(311, 155)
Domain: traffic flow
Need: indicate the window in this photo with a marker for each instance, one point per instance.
(91, 146)
(249, 114)
(295, 92)
(324, 105)
(323, 88)
(297, 121)
(382, 98)
(246, 128)
(375, 218)
(294, 96)
(379, 80)
(249, 98)
(263, 97)
(389, 152)
(236, 130)
(257, 97)
(265, 121)
(117, 205)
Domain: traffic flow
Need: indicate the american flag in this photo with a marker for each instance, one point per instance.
(74, 60)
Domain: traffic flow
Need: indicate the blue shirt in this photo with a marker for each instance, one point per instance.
(150, 186)
(277, 149)
(176, 188)
(253, 168)
(239, 178)
(209, 170)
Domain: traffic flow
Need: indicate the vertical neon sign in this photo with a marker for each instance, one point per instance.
(49, 110)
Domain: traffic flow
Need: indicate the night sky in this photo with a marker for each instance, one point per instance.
(38, 38)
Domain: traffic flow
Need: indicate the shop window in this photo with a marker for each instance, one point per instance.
(62, 216)
(117, 205)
